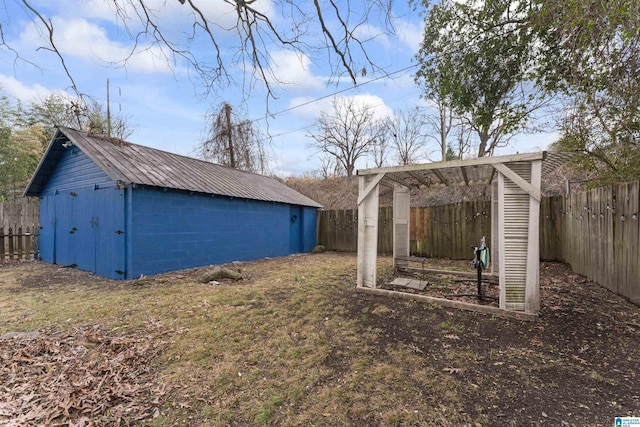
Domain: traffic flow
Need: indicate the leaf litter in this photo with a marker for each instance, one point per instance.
(80, 377)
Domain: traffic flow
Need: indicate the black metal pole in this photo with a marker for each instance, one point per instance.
(479, 267)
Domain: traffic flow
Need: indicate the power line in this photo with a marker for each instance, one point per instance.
(356, 86)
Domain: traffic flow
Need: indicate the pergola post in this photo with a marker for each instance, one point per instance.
(515, 211)
(401, 224)
(532, 293)
(518, 188)
(368, 202)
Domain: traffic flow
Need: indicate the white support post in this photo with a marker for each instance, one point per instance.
(502, 279)
(401, 224)
(368, 202)
(495, 229)
(532, 290)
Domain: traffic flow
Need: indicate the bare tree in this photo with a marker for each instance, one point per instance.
(328, 27)
(233, 142)
(407, 132)
(441, 123)
(347, 133)
(329, 168)
(462, 138)
(381, 147)
(83, 113)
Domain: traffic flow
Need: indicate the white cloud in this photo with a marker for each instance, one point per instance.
(170, 15)
(402, 81)
(371, 101)
(409, 33)
(291, 69)
(310, 110)
(306, 108)
(368, 33)
(20, 91)
(90, 43)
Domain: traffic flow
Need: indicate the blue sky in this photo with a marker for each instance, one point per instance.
(164, 101)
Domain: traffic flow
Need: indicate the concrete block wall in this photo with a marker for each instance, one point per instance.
(174, 230)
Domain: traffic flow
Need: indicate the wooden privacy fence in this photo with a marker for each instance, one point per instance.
(601, 236)
(597, 232)
(449, 231)
(338, 230)
(19, 214)
(18, 229)
(437, 231)
(445, 231)
(18, 244)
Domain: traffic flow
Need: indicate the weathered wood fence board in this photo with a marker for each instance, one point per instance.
(446, 231)
(551, 212)
(601, 237)
(18, 230)
(597, 232)
(18, 244)
(449, 231)
(25, 214)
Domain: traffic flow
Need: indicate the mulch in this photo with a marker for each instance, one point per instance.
(577, 365)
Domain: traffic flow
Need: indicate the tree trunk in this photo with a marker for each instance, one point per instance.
(482, 148)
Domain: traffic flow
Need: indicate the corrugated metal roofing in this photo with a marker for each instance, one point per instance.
(129, 163)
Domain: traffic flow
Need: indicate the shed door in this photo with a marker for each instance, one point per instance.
(295, 229)
(66, 229)
(108, 226)
(47, 235)
(89, 230)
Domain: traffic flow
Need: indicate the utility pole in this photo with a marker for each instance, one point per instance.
(108, 111)
(232, 157)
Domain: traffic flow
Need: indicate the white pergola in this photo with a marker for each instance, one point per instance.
(515, 212)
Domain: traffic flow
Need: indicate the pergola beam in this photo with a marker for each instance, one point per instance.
(457, 163)
(370, 186)
(418, 178)
(517, 179)
(441, 177)
(398, 180)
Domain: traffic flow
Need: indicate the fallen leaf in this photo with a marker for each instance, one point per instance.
(452, 370)
(415, 348)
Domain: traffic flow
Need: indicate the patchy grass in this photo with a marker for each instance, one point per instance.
(294, 344)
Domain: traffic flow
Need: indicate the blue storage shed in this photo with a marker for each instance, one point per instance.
(121, 210)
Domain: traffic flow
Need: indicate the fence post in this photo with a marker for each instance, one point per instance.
(1, 244)
(27, 244)
(19, 238)
(11, 244)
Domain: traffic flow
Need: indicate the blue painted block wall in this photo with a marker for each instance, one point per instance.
(75, 170)
(172, 230)
(86, 221)
(309, 227)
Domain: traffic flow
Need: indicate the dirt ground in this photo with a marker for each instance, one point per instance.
(578, 365)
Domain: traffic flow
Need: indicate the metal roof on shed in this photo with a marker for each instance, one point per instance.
(129, 163)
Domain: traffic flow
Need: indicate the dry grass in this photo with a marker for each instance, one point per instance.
(279, 347)
(292, 344)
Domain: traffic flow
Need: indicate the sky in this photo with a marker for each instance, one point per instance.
(164, 100)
